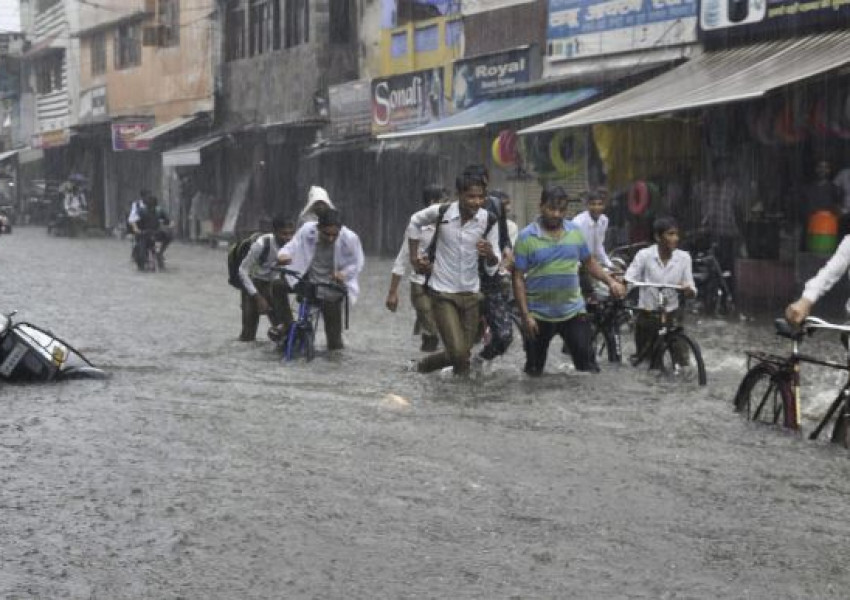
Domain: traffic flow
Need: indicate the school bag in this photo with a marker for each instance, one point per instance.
(237, 252)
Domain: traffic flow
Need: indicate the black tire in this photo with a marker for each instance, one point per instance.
(607, 342)
(841, 430)
(664, 360)
(764, 397)
(302, 344)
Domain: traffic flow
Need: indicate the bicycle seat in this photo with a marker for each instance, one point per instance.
(785, 329)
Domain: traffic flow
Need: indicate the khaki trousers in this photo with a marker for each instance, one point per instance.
(456, 316)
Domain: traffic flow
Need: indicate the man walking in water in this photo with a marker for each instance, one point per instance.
(459, 241)
(546, 284)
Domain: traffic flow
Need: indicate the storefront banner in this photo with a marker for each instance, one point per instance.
(582, 28)
(350, 106)
(474, 77)
(772, 16)
(123, 134)
(472, 7)
(407, 101)
(51, 139)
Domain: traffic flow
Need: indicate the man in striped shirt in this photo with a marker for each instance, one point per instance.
(547, 256)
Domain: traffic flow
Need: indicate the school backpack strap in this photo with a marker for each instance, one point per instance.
(431, 251)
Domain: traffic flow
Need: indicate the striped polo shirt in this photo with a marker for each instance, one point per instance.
(551, 271)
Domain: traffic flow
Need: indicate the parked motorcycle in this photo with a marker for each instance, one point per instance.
(713, 284)
(29, 353)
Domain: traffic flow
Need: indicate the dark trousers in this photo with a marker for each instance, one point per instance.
(332, 318)
(646, 332)
(497, 313)
(576, 335)
(276, 294)
(457, 317)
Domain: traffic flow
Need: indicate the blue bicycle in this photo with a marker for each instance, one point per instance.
(299, 341)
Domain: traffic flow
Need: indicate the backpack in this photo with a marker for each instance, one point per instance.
(431, 251)
(237, 252)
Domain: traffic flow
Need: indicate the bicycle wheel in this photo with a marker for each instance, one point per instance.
(689, 366)
(764, 397)
(300, 342)
(606, 341)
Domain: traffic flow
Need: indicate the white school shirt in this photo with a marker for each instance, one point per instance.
(402, 260)
(830, 273)
(594, 234)
(647, 267)
(456, 264)
(251, 267)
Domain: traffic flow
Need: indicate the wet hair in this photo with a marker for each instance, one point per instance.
(662, 224)
(145, 193)
(330, 217)
(477, 171)
(282, 222)
(433, 193)
(553, 194)
(599, 193)
(468, 180)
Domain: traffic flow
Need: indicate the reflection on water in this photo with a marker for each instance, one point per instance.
(205, 468)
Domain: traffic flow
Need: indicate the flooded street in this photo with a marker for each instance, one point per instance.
(206, 469)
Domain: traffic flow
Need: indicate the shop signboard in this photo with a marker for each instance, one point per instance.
(771, 17)
(475, 77)
(582, 28)
(350, 109)
(406, 101)
(51, 139)
(123, 135)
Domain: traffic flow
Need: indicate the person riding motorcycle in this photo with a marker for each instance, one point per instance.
(149, 223)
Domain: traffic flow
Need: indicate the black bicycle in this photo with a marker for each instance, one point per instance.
(770, 390)
(300, 338)
(671, 351)
(609, 318)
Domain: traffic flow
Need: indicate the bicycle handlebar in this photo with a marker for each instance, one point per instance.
(809, 326)
(332, 285)
(663, 286)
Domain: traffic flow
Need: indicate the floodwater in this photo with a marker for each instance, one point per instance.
(205, 469)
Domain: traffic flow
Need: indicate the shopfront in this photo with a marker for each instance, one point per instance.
(729, 141)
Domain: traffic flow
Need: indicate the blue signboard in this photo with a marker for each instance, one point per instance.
(581, 28)
(475, 77)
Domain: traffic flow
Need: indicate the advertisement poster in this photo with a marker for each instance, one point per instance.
(472, 7)
(475, 77)
(772, 16)
(350, 109)
(123, 135)
(582, 28)
(407, 101)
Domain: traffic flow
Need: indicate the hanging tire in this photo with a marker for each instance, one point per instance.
(568, 152)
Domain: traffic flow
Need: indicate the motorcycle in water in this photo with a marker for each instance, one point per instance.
(29, 353)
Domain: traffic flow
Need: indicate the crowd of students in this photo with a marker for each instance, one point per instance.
(468, 260)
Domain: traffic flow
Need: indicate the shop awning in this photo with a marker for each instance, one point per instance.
(188, 155)
(499, 110)
(7, 155)
(160, 130)
(717, 78)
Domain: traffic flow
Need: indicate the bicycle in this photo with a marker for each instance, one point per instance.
(145, 252)
(299, 341)
(662, 352)
(608, 318)
(770, 390)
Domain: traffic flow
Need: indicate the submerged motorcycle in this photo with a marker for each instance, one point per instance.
(28, 353)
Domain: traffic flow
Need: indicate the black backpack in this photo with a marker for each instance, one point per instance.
(237, 252)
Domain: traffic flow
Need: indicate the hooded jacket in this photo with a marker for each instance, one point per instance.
(316, 194)
(348, 255)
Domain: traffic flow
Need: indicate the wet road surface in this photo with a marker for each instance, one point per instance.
(205, 469)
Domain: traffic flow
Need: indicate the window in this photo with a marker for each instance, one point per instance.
(297, 22)
(128, 46)
(235, 34)
(398, 44)
(454, 32)
(258, 38)
(276, 31)
(43, 5)
(426, 39)
(98, 53)
(340, 21)
(48, 73)
(169, 21)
